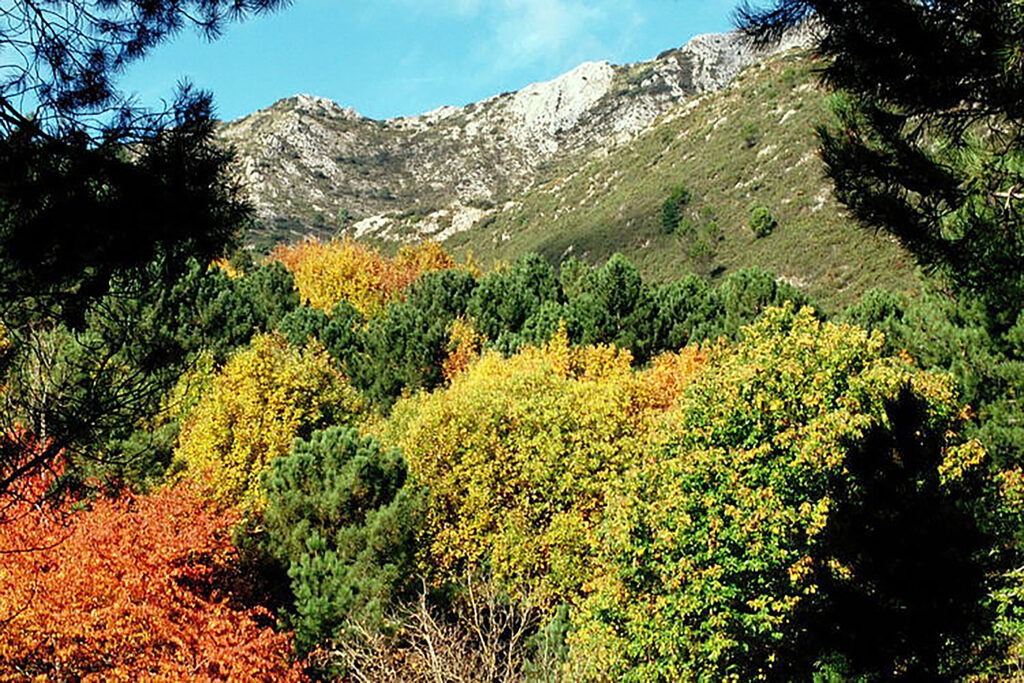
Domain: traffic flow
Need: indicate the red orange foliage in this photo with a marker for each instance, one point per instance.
(663, 382)
(138, 588)
(464, 346)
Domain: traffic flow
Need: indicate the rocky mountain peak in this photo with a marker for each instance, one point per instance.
(311, 164)
(540, 112)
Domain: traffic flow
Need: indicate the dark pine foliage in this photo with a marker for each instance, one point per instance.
(930, 128)
(104, 206)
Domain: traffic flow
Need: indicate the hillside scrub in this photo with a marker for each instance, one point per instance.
(595, 208)
(692, 531)
(404, 347)
(600, 478)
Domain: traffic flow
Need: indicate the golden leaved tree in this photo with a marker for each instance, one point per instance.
(263, 398)
(520, 453)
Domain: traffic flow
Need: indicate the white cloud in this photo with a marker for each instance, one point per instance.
(532, 30)
(513, 34)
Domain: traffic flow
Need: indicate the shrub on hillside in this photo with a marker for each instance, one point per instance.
(672, 208)
(762, 222)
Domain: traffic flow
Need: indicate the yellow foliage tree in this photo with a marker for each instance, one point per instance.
(804, 485)
(520, 453)
(464, 345)
(264, 397)
(329, 272)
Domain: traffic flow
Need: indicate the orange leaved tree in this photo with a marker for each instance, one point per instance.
(130, 589)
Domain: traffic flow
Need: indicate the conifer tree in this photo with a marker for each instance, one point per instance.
(103, 207)
(929, 140)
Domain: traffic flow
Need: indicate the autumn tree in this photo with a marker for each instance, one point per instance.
(519, 455)
(328, 273)
(808, 494)
(132, 588)
(265, 396)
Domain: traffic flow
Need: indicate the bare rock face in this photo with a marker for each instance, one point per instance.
(542, 111)
(311, 165)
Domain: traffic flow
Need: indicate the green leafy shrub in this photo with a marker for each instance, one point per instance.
(340, 517)
(751, 134)
(762, 222)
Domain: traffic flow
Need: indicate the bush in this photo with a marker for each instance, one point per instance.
(341, 519)
(811, 499)
(519, 455)
(479, 635)
(140, 588)
(762, 222)
(672, 208)
(751, 134)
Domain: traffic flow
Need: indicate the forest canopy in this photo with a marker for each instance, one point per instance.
(331, 462)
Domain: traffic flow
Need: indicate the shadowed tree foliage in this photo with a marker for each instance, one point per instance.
(62, 59)
(342, 521)
(103, 206)
(906, 532)
(92, 244)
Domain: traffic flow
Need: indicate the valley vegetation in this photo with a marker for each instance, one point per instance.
(338, 463)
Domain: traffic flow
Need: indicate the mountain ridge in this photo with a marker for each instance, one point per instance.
(314, 166)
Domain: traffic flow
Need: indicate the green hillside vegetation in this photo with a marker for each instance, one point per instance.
(750, 146)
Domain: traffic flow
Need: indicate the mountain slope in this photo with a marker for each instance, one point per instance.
(311, 164)
(749, 146)
(580, 166)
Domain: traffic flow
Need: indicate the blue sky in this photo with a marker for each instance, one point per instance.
(402, 57)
